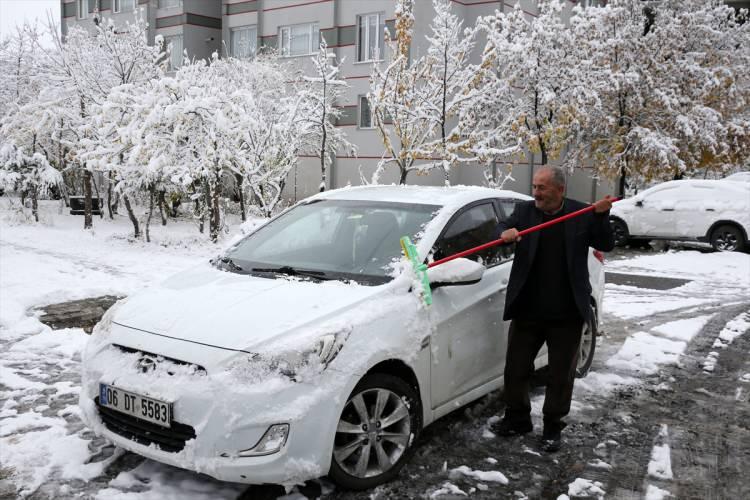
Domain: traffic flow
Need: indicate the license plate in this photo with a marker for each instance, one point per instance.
(149, 409)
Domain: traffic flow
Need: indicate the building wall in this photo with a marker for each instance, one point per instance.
(206, 24)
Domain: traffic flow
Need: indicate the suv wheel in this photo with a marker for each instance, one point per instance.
(620, 231)
(727, 238)
(379, 423)
(587, 348)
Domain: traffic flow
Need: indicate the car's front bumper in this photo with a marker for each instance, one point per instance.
(227, 417)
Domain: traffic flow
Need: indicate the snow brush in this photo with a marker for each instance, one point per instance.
(420, 268)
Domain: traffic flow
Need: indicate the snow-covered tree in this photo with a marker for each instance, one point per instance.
(538, 94)
(672, 92)
(321, 92)
(449, 93)
(29, 174)
(82, 69)
(394, 100)
(207, 125)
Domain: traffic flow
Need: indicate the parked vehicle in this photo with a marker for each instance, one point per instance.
(304, 350)
(713, 211)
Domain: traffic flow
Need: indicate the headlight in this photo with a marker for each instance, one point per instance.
(296, 364)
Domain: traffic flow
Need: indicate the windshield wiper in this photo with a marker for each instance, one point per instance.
(230, 264)
(292, 271)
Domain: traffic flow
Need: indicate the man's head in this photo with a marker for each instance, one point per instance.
(548, 188)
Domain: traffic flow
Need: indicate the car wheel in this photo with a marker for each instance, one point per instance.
(380, 421)
(726, 238)
(620, 231)
(586, 349)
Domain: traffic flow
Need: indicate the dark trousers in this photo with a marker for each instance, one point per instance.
(525, 340)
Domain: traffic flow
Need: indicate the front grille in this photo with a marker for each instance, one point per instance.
(148, 361)
(171, 439)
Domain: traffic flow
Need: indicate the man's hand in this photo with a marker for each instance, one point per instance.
(510, 235)
(603, 205)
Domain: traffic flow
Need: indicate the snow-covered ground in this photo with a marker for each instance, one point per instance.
(44, 447)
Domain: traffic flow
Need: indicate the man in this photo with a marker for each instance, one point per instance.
(548, 299)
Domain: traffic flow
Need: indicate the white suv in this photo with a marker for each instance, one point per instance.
(717, 212)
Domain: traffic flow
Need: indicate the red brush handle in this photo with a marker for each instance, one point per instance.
(500, 241)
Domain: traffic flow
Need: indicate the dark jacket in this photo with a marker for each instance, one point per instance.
(582, 232)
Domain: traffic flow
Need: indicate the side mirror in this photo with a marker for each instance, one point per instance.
(638, 203)
(455, 272)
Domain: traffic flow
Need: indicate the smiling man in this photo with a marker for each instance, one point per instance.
(548, 300)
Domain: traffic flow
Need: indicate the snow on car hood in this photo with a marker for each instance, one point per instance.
(233, 311)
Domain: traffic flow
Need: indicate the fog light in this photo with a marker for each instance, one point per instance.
(272, 441)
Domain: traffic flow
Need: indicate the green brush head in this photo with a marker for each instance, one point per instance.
(420, 269)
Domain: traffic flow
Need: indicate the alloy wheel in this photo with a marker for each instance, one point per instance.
(726, 241)
(373, 433)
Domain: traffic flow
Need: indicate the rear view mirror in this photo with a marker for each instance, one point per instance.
(455, 272)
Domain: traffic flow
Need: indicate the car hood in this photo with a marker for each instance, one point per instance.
(232, 311)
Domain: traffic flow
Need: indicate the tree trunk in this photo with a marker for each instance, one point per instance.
(404, 173)
(99, 200)
(88, 222)
(109, 197)
(150, 213)
(162, 207)
(214, 213)
(199, 214)
(241, 195)
(34, 205)
(131, 216)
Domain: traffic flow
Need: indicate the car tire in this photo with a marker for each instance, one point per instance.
(620, 231)
(384, 449)
(587, 347)
(727, 238)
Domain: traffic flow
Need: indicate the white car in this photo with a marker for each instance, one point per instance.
(306, 349)
(713, 211)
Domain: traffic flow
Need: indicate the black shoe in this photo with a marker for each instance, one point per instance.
(551, 440)
(507, 428)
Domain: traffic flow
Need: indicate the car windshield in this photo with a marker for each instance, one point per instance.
(331, 239)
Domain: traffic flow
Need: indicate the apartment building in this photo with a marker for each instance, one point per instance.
(353, 31)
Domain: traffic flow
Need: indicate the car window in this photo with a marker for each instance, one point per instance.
(341, 239)
(472, 227)
(506, 210)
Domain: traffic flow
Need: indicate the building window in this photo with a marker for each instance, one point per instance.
(299, 40)
(123, 5)
(365, 114)
(243, 42)
(169, 4)
(174, 43)
(370, 37)
(83, 8)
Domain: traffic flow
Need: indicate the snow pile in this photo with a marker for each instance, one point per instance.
(656, 493)
(731, 331)
(488, 476)
(586, 488)
(644, 352)
(448, 488)
(660, 466)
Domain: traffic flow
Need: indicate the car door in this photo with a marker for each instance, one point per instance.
(469, 339)
(654, 214)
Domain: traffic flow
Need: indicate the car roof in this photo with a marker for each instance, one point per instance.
(422, 195)
(704, 183)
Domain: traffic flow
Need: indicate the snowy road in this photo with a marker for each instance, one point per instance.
(659, 412)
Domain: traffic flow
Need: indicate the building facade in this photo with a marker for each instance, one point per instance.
(353, 30)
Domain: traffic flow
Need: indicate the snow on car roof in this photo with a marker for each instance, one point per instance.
(707, 183)
(423, 195)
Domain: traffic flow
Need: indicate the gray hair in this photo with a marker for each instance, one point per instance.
(557, 173)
